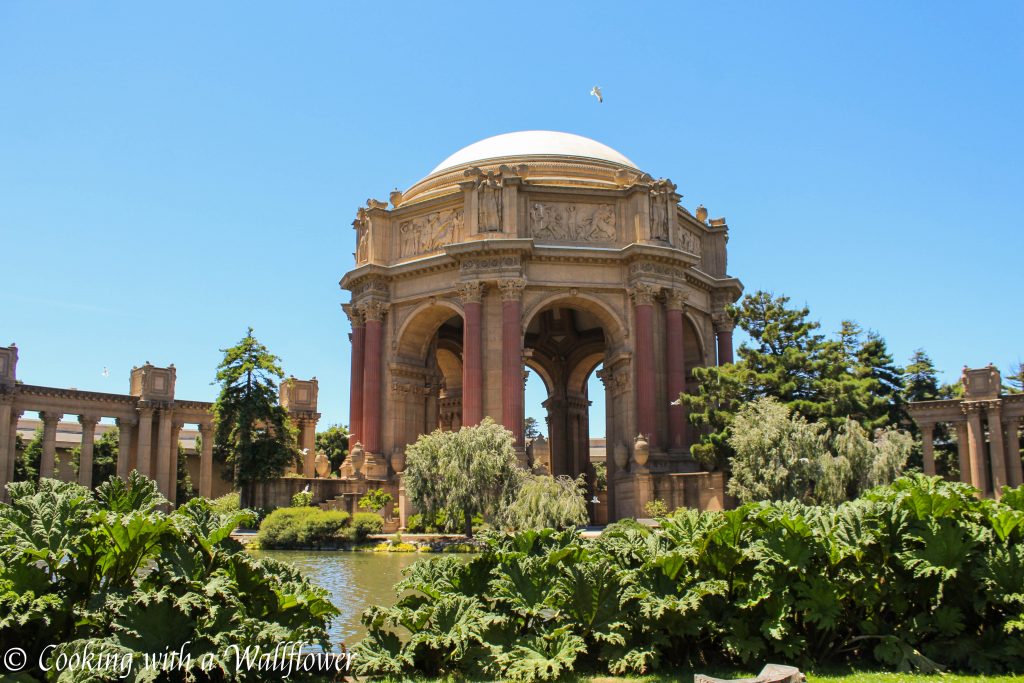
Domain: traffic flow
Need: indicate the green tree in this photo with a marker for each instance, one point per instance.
(104, 456)
(882, 384)
(464, 473)
(334, 444)
(253, 436)
(531, 430)
(920, 379)
(1015, 378)
(546, 502)
(375, 500)
(26, 467)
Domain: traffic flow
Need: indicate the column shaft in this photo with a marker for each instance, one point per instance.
(997, 451)
(355, 410)
(308, 441)
(124, 447)
(976, 438)
(674, 361)
(963, 452)
(163, 446)
(12, 448)
(1013, 461)
(371, 387)
(206, 462)
(724, 335)
(144, 447)
(48, 458)
(472, 365)
(512, 369)
(85, 454)
(172, 463)
(645, 372)
(928, 448)
(7, 454)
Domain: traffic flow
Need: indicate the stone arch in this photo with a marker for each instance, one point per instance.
(419, 327)
(615, 328)
(582, 369)
(698, 332)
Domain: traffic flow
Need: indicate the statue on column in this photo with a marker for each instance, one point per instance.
(488, 193)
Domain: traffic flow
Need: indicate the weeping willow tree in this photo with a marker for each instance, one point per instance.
(546, 502)
(464, 473)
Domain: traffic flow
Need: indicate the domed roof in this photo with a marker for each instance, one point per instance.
(533, 143)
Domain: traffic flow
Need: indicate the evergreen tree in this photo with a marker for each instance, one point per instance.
(920, 380)
(253, 436)
(26, 467)
(530, 429)
(883, 392)
(1015, 379)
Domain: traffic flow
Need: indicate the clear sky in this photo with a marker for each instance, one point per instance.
(172, 173)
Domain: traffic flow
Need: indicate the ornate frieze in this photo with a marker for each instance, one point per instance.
(570, 222)
(491, 263)
(648, 268)
(686, 240)
(424, 234)
(370, 286)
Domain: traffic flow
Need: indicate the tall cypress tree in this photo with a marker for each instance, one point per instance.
(254, 436)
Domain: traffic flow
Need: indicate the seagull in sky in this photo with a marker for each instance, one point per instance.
(596, 92)
(106, 371)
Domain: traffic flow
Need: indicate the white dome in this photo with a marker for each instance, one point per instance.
(533, 143)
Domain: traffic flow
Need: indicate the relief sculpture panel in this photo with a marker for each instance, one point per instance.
(686, 240)
(573, 222)
(424, 234)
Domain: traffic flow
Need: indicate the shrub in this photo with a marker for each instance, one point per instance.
(656, 508)
(375, 500)
(107, 571)
(366, 523)
(303, 526)
(228, 503)
(302, 499)
(545, 501)
(414, 524)
(911, 574)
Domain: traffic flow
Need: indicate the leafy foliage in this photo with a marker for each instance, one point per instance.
(545, 501)
(463, 473)
(333, 442)
(107, 571)
(917, 574)
(375, 500)
(253, 436)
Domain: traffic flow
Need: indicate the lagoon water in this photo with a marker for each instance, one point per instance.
(354, 580)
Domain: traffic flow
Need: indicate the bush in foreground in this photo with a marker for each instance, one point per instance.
(108, 573)
(911, 574)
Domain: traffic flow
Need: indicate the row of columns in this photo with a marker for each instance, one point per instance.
(987, 469)
(644, 296)
(365, 388)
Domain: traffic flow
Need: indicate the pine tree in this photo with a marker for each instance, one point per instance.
(254, 436)
(1015, 379)
(920, 380)
(883, 395)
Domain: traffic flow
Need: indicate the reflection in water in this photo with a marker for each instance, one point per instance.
(354, 580)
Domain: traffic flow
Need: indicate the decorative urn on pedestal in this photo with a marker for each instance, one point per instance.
(322, 465)
(641, 450)
(398, 460)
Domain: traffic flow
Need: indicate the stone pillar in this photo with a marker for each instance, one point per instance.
(1013, 461)
(172, 462)
(88, 423)
(46, 463)
(723, 332)
(976, 440)
(163, 447)
(206, 461)
(928, 447)
(512, 400)
(7, 454)
(144, 447)
(374, 312)
(997, 449)
(12, 450)
(471, 294)
(307, 440)
(125, 427)
(643, 308)
(963, 452)
(355, 410)
(675, 303)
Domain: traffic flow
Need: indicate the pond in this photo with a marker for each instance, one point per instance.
(354, 580)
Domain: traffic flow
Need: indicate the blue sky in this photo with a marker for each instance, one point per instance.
(170, 174)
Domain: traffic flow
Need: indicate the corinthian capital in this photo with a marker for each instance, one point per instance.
(644, 294)
(723, 322)
(471, 292)
(675, 299)
(373, 310)
(355, 316)
(512, 290)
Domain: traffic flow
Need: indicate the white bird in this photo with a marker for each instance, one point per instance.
(106, 371)
(596, 92)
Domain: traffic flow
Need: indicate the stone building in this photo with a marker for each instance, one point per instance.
(987, 424)
(149, 417)
(546, 252)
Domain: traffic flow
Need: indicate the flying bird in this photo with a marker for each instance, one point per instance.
(106, 371)
(596, 92)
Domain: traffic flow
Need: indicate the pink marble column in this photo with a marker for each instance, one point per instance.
(976, 440)
(372, 377)
(125, 430)
(723, 332)
(206, 432)
(48, 458)
(963, 452)
(144, 446)
(471, 294)
(928, 447)
(997, 449)
(643, 308)
(355, 410)
(512, 406)
(675, 356)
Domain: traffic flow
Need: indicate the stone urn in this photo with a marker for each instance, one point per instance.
(398, 460)
(641, 450)
(620, 454)
(322, 465)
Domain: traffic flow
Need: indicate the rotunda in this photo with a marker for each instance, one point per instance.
(546, 252)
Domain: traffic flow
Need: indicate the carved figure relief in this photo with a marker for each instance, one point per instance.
(490, 203)
(686, 240)
(362, 247)
(573, 222)
(428, 233)
(662, 198)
